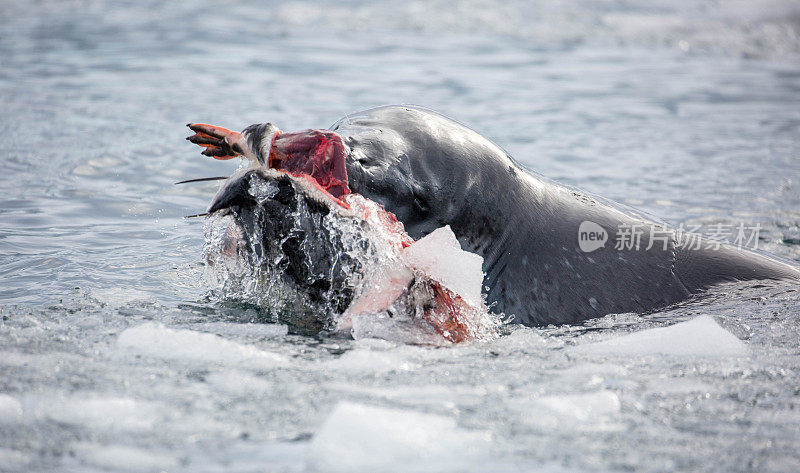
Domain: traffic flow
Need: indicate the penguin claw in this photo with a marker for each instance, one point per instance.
(215, 139)
(218, 153)
(204, 140)
(210, 130)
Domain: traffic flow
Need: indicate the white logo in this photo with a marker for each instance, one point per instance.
(591, 236)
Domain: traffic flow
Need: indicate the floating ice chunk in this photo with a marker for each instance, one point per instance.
(12, 460)
(701, 336)
(156, 341)
(571, 411)
(440, 256)
(104, 413)
(385, 286)
(363, 438)
(129, 459)
(10, 410)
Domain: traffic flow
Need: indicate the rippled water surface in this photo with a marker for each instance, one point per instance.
(112, 359)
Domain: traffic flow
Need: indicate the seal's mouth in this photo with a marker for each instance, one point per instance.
(318, 155)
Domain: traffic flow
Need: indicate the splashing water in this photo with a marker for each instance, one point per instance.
(360, 273)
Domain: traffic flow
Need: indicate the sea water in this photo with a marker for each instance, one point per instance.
(112, 358)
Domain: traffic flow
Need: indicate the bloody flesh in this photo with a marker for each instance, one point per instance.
(316, 153)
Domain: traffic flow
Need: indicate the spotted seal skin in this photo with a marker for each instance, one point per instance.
(431, 171)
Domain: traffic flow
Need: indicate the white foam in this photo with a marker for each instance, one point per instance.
(156, 341)
(701, 336)
(357, 437)
(397, 329)
(239, 383)
(115, 298)
(674, 386)
(39, 361)
(439, 256)
(523, 340)
(364, 360)
(10, 410)
(123, 458)
(434, 395)
(261, 330)
(590, 370)
(591, 375)
(570, 411)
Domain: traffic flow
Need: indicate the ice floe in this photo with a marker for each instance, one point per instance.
(126, 459)
(99, 413)
(157, 341)
(701, 336)
(439, 256)
(357, 437)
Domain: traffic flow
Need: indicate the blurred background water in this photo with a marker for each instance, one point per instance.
(689, 110)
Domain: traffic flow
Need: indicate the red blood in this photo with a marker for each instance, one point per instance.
(448, 314)
(316, 153)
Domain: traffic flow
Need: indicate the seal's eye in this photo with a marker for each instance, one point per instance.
(363, 159)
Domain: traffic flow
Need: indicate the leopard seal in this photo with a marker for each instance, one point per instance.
(431, 171)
